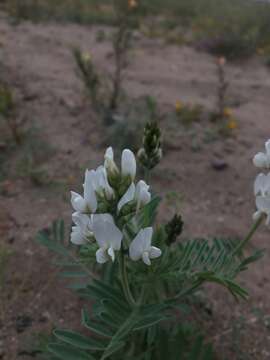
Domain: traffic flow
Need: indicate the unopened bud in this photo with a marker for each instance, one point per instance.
(111, 168)
(151, 153)
(173, 229)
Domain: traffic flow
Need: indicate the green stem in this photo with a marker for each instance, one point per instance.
(249, 235)
(147, 175)
(124, 280)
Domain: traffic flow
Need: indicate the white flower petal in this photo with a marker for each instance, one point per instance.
(128, 164)
(259, 184)
(109, 154)
(263, 204)
(145, 258)
(127, 197)
(111, 253)
(106, 232)
(257, 215)
(89, 191)
(109, 163)
(142, 194)
(78, 203)
(77, 237)
(267, 147)
(147, 237)
(154, 252)
(103, 217)
(140, 244)
(82, 220)
(261, 160)
(103, 182)
(101, 256)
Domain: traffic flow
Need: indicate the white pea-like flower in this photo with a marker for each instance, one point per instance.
(142, 193)
(139, 193)
(88, 202)
(263, 208)
(128, 164)
(100, 182)
(82, 232)
(141, 248)
(108, 237)
(127, 197)
(262, 160)
(262, 185)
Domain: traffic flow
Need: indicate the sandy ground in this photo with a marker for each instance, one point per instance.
(39, 64)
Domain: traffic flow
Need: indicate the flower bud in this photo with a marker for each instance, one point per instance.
(262, 160)
(110, 166)
(128, 164)
(173, 229)
(150, 154)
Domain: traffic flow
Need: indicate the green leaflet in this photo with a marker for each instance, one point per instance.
(148, 322)
(64, 352)
(54, 240)
(122, 332)
(115, 347)
(78, 341)
(96, 327)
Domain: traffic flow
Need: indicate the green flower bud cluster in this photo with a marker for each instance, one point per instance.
(173, 229)
(151, 152)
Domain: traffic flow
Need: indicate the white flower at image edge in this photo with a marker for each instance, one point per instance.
(262, 160)
(83, 229)
(140, 247)
(263, 208)
(108, 237)
(262, 184)
(262, 193)
(88, 202)
(128, 164)
(139, 193)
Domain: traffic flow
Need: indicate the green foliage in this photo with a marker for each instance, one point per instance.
(5, 254)
(6, 101)
(231, 28)
(113, 332)
(34, 153)
(70, 266)
(142, 330)
(188, 114)
(8, 115)
(90, 78)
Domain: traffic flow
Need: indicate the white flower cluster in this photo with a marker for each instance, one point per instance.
(108, 195)
(262, 184)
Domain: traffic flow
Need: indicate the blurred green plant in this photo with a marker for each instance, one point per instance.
(223, 115)
(188, 114)
(231, 28)
(91, 79)
(7, 114)
(5, 254)
(106, 93)
(35, 151)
